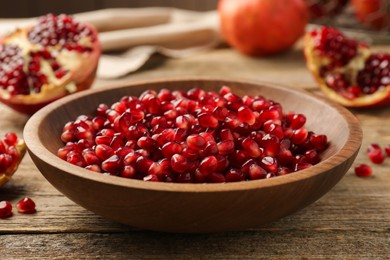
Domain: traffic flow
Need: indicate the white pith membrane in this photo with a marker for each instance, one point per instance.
(6, 176)
(77, 66)
(315, 62)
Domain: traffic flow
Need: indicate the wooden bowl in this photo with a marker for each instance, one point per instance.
(194, 208)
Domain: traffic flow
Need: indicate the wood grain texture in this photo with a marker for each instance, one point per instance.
(352, 221)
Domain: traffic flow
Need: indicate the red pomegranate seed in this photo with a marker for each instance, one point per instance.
(26, 206)
(5, 209)
(270, 164)
(233, 175)
(11, 139)
(320, 142)
(256, 172)
(128, 171)
(296, 120)
(375, 154)
(363, 170)
(104, 151)
(196, 142)
(251, 147)
(208, 165)
(142, 164)
(387, 150)
(93, 167)
(155, 169)
(151, 177)
(299, 136)
(112, 165)
(246, 115)
(179, 163)
(208, 120)
(226, 147)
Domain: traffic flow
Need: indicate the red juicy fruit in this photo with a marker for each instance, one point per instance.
(375, 154)
(12, 150)
(50, 59)
(5, 209)
(192, 136)
(347, 71)
(26, 206)
(363, 170)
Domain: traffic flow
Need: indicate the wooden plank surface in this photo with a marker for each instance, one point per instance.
(352, 221)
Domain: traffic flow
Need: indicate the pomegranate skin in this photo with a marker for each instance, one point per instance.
(262, 27)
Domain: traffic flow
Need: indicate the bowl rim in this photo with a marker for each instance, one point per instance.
(35, 147)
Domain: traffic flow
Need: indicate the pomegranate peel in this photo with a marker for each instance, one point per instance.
(8, 169)
(344, 71)
(43, 62)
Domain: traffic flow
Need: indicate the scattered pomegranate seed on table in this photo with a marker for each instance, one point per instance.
(387, 150)
(363, 170)
(375, 154)
(192, 136)
(26, 206)
(5, 209)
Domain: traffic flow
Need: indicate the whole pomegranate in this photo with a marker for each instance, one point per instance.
(12, 150)
(325, 8)
(48, 60)
(348, 71)
(262, 27)
(375, 14)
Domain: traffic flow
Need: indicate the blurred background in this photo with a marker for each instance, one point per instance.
(30, 8)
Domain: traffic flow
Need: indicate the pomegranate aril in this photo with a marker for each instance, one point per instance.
(387, 150)
(155, 169)
(270, 164)
(320, 142)
(94, 168)
(147, 143)
(171, 148)
(256, 172)
(104, 151)
(251, 147)
(226, 147)
(75, 158)
(26, 206)
(11, 139)
(233, 175)
(299, 136)
(215, 178)
(363, 170)
(112, 165)
(375, 154)
(208, 165)
(226, 134)
(196, 142)
(5, 209)
(128, 171)
(246, 115)
(208, 120)
(296, 121)
(151, 177)
(179, 163)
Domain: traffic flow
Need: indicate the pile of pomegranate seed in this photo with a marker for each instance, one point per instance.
(24, 206)
(192, 136)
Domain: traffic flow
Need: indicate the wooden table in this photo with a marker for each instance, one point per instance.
(352, 221)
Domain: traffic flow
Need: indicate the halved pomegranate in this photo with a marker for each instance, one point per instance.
(347, 71)
(12, 150)
(41, 63)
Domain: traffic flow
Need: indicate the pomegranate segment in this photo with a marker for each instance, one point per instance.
(347, 71)
(43, 62)
(12, 150)
(192, 136)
